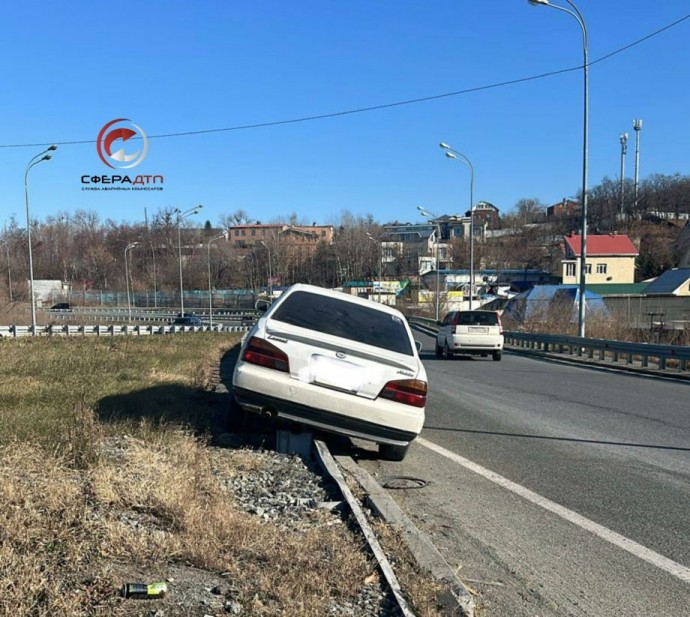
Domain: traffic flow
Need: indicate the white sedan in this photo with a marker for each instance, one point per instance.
(335, 362)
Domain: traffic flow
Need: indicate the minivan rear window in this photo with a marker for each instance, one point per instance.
(346, 320)
(484, 318)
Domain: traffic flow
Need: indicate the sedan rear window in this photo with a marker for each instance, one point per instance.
(484, 318)
(346, 320)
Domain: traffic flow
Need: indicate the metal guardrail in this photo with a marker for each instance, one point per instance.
(112, 330)
(604, 350)
(674, 359)
(142, 314)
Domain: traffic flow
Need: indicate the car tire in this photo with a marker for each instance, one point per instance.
(391, 452)
(496, 355)
(447, 353)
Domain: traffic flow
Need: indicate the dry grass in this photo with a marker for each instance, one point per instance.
(422, 592)
(70, 537)
(106, 477)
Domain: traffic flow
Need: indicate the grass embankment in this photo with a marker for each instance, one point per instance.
(105, 476)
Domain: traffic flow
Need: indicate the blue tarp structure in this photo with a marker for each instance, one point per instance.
(547, 301)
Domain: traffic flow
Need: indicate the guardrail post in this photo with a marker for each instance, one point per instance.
(662, 363)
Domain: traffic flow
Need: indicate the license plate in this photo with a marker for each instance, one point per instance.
(336, 373)
(478, 330)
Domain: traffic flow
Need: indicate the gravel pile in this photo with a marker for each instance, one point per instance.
(286, 490)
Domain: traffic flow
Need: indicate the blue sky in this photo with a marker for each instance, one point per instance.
(172, 67)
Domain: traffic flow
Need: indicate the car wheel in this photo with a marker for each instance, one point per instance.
(496, 355)
(447, 353)
(390, 452)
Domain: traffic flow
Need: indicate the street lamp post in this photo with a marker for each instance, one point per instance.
(129, 301)
(637, 126)
(180, 217)
(155, 284)
(380, 262)
(451, 153)
(433, 218)
(270, 272)
(575, 13)
(624, 150)
(9, 271)
(210, 288)
(43, 156)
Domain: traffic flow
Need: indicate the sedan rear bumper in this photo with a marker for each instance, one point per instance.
(329, 421)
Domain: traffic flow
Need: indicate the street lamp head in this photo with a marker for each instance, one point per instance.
(47, 157)
(53, 147)
(538, 2)
(444, 145)
(450, 155)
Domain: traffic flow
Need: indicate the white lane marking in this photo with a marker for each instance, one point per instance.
(632, 547)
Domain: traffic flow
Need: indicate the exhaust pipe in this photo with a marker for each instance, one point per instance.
(269, 414)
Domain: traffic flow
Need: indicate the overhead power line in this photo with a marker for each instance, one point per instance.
(359, 110)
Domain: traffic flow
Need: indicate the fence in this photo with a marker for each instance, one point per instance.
(222, 298)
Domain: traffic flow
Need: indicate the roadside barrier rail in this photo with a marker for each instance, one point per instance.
(113, 330)
(143, 314)
(673, 359)
(644, 355)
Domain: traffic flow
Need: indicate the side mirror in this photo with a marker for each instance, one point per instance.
(262, 305)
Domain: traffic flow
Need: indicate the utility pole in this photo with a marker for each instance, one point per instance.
(637, 125)
(624, 151)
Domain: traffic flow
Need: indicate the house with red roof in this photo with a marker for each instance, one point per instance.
(609, 258)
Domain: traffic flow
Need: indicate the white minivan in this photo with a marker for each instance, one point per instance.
(477, 333)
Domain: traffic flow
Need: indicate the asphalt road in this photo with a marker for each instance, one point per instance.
(553, 489)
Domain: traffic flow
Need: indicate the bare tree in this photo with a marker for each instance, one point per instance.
(530, 210)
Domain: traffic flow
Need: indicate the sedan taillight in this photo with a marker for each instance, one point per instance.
(266, 354)
(406, 391)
